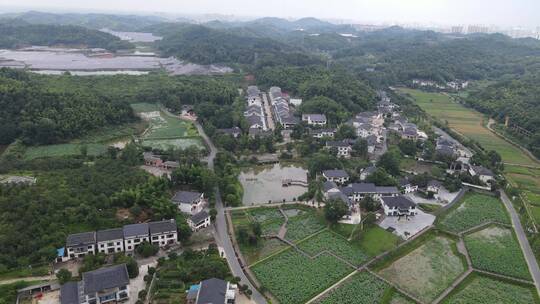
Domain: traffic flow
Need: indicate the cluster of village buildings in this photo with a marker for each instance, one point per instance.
(450, 85)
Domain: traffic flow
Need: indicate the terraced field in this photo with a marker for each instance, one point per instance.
(495, 249)
(473, 210)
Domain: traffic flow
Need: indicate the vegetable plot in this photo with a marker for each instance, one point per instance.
(294, 278)
(495, 249)
(485, 290)
(474, 210)
(362, 288)
(328, 241)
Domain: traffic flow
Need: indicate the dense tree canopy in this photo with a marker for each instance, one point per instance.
(13, 36)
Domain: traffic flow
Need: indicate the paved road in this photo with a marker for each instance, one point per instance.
(523, 242)
(220, 227)
(268, 111)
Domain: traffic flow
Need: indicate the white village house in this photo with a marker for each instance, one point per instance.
(199, 221)
(212, 291)
(104, 285)
(337, 176)
(110, 240)
(189, 202)
(163, 233)
(80, 244)
(398, 206)
(483, 173)
(314, 119)
(343, 148)
(134, 235)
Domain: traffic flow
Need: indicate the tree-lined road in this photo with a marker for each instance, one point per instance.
(220, 227)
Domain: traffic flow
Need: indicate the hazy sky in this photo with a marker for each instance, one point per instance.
(498, 12)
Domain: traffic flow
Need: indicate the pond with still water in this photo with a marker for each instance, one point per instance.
(264, 183)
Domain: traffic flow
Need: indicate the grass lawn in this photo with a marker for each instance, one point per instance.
(467, 122)
(496, 249)
(374, 240)
(473, 210)
(338, 245)
(294, 278)
(344, 230)
(482, 289)
(144, 107)
(362, 288)
(427, 270)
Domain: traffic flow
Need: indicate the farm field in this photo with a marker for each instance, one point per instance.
(329, 241)
(362, 288)
(96, 142)
(473, 210)
(495, 249)
(467, 122)
(485, 290)
(166, 131)
(303, 225)
(294, 278)
(428, 270)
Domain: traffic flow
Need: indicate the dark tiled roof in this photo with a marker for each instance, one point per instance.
(339, 196)
(212, 291)
(315, 117)
(337, 144)
(199, 217)
(162, 226)
(482, 171)
(363, 188)
(370, 169)
(186, 197)
(69, 293)
(400, 202)
(387, 190)
(105, 278)
(79, 239)
(231, 131)
(110, 234)
(135, 230)
(335, 173)
(329, 185)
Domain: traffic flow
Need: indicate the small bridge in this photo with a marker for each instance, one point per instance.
(293, 182)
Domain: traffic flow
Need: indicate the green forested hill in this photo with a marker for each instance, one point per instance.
(13, 36)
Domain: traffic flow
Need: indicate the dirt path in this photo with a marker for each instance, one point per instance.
(28, 279)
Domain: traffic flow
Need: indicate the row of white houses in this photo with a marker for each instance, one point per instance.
(125, 239)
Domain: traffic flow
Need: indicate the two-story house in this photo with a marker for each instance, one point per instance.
(189, 202)
(314, 119)
(338, 176)
(398, 206)
(110, 240)
(134, 235)
(357, 191)
(104, 285)
(321, 133)
(483, 173)
(80, 244)
(199, 220)
(163, 233)
(343, 148)
(212, 291)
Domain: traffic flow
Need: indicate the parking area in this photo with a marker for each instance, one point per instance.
(406, 227)
(442, 198)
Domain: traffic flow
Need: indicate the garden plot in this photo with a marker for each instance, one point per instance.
(329, 241)
(302, 226)
(474, 210)
(427, 270)
(485, 290)
(294, 278)
(166, 131)
(495, 249)
(362, 288)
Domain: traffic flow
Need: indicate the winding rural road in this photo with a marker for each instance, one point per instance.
(523, 242)
(220, 227)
